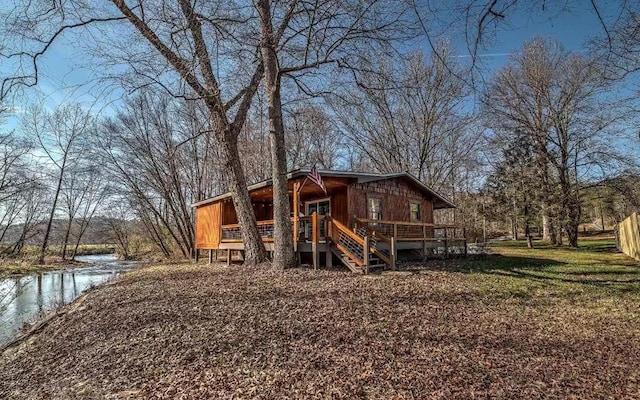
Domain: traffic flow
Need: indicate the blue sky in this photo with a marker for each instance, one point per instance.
(572, 23)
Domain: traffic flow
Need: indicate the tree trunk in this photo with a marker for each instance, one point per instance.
(573, 219)
(542, 176)
(514, 219)
(558, 237)
(572, 235)
(237, 185)
(65, 240)
(548, 230)
(123, 242)
(283, 255)
(47, 232)
(84, 224)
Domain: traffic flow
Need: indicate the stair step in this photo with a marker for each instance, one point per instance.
(346, 261)
(375, 263)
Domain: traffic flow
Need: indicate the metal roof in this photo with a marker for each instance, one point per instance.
(363, 177)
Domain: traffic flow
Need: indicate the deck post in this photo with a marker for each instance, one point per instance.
(328, 259)
(228, 257)
(393, 253)
(424, 242)
(315, 228)
(210, 256)
(464, 235)
(197, 254)
(395, 230)
(366, 254)
(296, 210)
(446, 243)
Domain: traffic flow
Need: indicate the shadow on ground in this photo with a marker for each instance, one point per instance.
(599, 272)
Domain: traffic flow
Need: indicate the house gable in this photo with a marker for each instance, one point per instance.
(395, 196)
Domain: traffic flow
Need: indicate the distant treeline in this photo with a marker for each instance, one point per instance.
(98, 232)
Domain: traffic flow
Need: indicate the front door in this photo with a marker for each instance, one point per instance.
(322, 207)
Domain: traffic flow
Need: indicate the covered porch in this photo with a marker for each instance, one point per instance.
(305, 199)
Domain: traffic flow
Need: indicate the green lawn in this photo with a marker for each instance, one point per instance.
(594, 269)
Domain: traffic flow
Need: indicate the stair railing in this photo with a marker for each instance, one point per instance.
(349, 243)
(386, 256)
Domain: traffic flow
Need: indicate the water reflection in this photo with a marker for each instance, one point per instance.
(22, 299)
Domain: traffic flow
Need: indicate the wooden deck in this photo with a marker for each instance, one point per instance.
(368, 244)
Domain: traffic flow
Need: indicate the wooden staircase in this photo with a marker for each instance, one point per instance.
(349, 247)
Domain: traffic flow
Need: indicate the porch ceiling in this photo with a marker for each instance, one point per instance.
(309, 190)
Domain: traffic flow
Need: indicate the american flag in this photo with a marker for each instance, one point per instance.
(314, 176)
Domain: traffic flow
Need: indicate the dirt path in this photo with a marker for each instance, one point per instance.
(212, 332)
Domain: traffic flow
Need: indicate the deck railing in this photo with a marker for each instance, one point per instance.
(231, 232)
(410, 230)
(435, 237)
(378, 237)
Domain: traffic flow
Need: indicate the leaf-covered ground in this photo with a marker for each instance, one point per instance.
(197, 332)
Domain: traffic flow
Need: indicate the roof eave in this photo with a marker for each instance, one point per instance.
(443, 202)
(255, 186)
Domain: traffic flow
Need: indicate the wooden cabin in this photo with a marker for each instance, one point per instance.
(364, 220)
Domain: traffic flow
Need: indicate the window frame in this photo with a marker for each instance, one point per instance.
(317, 201)
(380, 205)
(419, 217)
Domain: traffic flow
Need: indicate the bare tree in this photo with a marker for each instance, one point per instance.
(516, 100)
(252, 141)
(618, 47)
(558, 99)
(190, 41)
(410, 117)
(94, 191)
(36, 201)
(15, 179)
(313, 138)
(22, 196)
(149, 149)
(62, 136)
(121, 221)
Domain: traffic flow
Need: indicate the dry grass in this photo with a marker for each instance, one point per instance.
(214, 332)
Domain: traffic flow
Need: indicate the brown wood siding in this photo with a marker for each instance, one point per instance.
(395, 196)
(264, 211)
(228, 213)
(339, 206)
(208, 221)
(427, 212)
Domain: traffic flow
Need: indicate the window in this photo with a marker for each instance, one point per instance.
(414, 212)
(322, 207)
(375, 208)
